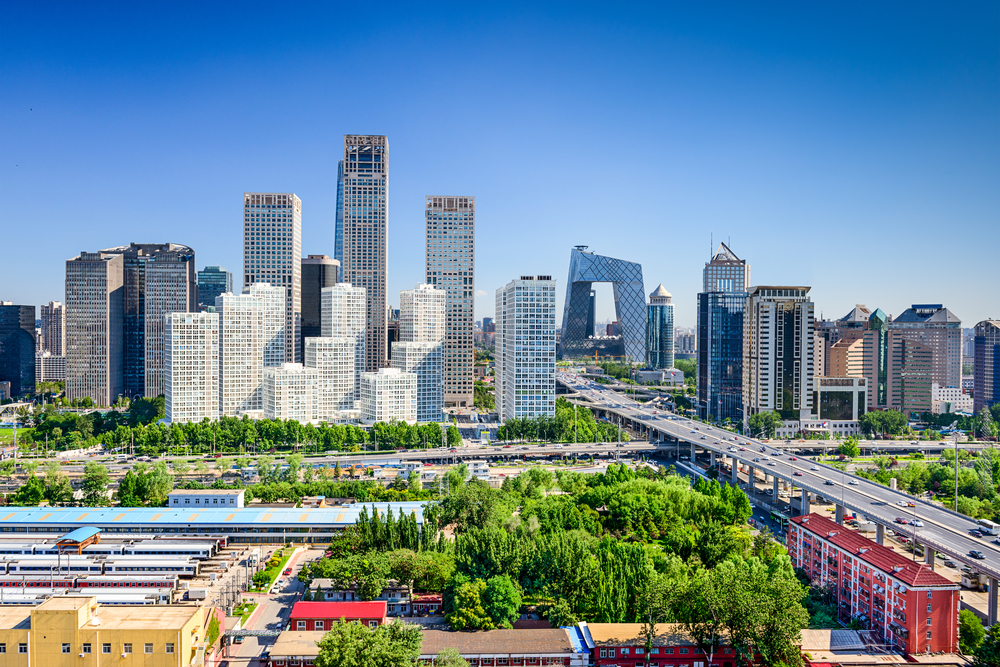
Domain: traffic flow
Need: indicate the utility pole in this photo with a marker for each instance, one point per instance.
(955, 435)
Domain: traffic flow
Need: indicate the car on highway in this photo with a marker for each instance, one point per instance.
(950, 563)
(853, 482)
(792, 458)
(770, 463)
(829, 482)
(756, 460)
(978, 555)
(975, 533)
(743, 449)
(918, 523)
(911, 504)
(901, 520)
(901, 503)
(797, 473)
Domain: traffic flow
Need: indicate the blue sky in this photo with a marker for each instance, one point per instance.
(853, 147)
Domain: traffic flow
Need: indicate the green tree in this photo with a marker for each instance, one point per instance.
(502, 601)
(764, 424)
(450, 657)
(988, 653)
(30, 493)
(95, 484)
(353, 645)
(849, 447)
(469, 613)
(454, 437)
(970, 632)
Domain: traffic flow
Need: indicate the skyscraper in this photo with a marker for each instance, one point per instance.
(726, 272)
(366, 234)
(17, 347)
(830, 332)
(389, 395)
(940, 330)
(875, 359)
(213, 281)
(526, 348)
(338, 229)
(986, 373)
(451, 266)
(660, 330)
(94, 327)
(272, 253)
(720, 355)
(778, 338)
(191, 376)
(419, 350)
(318, 271)
(344, 315)
(252, 336)
(53, 315)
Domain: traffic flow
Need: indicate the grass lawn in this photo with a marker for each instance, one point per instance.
(273, 572)
(7, 435)
(243, 610)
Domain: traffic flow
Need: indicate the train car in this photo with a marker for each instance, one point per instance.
(220, 539)
(38, 565)
(92, 551)
(106, 581)
(148, 566)
(37, 581)
(197, 550)
(17, 549)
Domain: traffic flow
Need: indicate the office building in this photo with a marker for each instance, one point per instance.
(318, 272)
(338, 223)
(911, 373)
(49, 368)
(451, 266)
(389, 394)
(345, 315)
(840, 398)
(948, 400)
(986, 372)
(720, 355)
(726, 272)
(336, 361)
(831, 331)
(875, 359)
(778, 342)
(71, 631)
(17, 347)
(192, 367)
(905, 604)
(660, 330)
(420, 348)
(272, 253)
(939, 329)
(213, 281)
(488, 325)
(629, 337)
(846, 357)
(251, 338)
(291, 391)
(425, 362)
(94, 327)
(53, 338)
(526, 348)
(365, 219)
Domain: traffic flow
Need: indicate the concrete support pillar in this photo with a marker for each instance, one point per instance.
(734, 479)
(805, 502)
(751, 476)
(991, 596)
(692, 452)
(840, 514)
(712, 458)
(929, 556)
(879, 533)
(774, 487)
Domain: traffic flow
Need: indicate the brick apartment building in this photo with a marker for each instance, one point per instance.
(912, 607)
(321, 616)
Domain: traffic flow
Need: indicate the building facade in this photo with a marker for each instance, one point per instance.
(199, 498)
(53, 316)
(778, 340)
(423, 360)
(840, 399)
(832, 331)
(420, 350)
(318, 273)
(291, 391)
(945, 400)
(725, 272)
(451, 266)
(525, 384)
(389, 394)
(660, 330)
(17, 347)
(251, 338)
(911, 374)
(986, 371)
(95, 289)
(272, 253)
(49, 368)
(213, 281)
(321, 616)
(345, 315)
(907, 604)
(365, 224)
(336, 362)
(720, 355)
(192, 367)
(940, 330)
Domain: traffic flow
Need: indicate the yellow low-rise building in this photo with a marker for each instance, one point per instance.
(78, 632)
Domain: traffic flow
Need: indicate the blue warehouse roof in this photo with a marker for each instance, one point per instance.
(333, 517)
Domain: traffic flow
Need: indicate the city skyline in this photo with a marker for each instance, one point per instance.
(769, 134)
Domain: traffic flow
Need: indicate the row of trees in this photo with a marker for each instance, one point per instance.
(565, 426)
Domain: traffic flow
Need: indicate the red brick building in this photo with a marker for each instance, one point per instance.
(317, 616)
(912, 607)
(623, 645)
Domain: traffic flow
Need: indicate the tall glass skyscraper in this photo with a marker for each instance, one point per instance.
(338, 229)
(212, 282)
(660, 330)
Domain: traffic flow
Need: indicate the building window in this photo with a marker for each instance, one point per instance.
(3, 648)
(928, 620)
(105, 648)
(170, 648)
(624, 651)
(86, 648)
(685, 651)
(127, 648)
(65, 647)
(300, 625)
(928, 609)
(148, 648)
(604, 652)
(372, 624)
(611, 653)
(928, 634)
(317, 625)
(22, 648)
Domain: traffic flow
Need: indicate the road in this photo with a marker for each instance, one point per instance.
(943, 530)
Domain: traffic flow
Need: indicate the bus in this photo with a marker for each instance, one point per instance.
(780, 519)
(988, 527)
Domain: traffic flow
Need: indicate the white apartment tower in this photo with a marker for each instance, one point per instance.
(191, 373)
(335, 362)
(272, 253)
(389, 394)
(291, 391)
(252, 329)
(778, 343)
(344, 314)
(53, 316)
(365, 218)
(526, 348)
(419, 350)
(451, 266)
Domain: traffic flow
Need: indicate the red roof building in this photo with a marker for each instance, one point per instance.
(313, 616)
(911, 606)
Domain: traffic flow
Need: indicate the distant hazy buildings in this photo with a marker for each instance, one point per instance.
(94, 327)
(17, 347)
(318, 272)
(419, 350)
(526, 348)
(291, 391)
(192, 367)
(660, 330)
(389, 394)
(986, 375)
(272, 253)
(363, 182)
(451, 266)
(212, 281)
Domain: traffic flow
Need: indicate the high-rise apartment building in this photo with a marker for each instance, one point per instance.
(726, 272)
(191, 377)
(846, 357)
(345, 315)
(389, 394)
(451, 266)
(95, 287)
(419, 350)
(363, 180)
(17, 347)
(272, 253)
(338, 374)
(778, 338)
(660, 330)
(49, 368)
(213, 281)
(291, 391)
(986, 373)
(939, 329)
(720, 355)
(252, 328)
(53, 315)
(832, 331)
(318, 272)
(526, 348)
